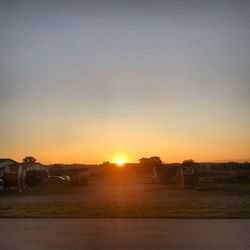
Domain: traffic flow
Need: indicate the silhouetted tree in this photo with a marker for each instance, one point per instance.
(106, 163)
(29, 159)
(148, 164)
(152, 161)
(188, 162)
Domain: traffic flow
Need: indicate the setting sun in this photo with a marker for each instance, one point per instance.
(120, 162)
(120, 159)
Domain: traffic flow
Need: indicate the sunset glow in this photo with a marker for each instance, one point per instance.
(120, 162)
(120, 159)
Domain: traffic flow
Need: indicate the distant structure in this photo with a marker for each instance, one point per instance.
(13, 174)
(5, 164)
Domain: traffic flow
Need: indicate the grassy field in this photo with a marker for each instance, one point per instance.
(129, 198)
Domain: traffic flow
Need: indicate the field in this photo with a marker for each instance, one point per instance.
(130, 197)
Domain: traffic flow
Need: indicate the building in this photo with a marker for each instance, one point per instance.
(8, 165)
(11, 172)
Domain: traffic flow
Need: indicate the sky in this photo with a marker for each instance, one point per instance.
(88, 81)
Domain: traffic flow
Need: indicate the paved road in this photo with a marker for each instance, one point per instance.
(74, 234)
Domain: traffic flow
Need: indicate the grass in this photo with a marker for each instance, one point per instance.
(130, 199)
(78, 209)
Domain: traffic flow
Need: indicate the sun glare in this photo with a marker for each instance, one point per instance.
(120, 162)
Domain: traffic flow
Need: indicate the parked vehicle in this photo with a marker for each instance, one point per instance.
(66, 177)
(58, 180)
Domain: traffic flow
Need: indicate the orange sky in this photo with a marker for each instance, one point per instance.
(106, 142)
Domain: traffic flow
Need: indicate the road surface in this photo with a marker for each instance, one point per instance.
(74, 234)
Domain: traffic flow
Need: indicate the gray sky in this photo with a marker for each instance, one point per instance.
(84, 81)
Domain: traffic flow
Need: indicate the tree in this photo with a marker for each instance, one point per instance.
(106, 163)
(150, 164)
(29, 159)
(152, 161)
(188, 162)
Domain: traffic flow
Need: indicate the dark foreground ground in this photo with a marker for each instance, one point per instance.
(129, 197)
(60, 234)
